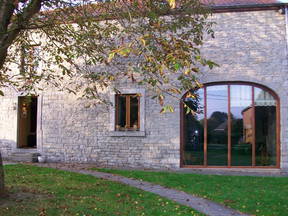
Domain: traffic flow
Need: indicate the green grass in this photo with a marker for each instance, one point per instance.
(54, 192)
(254, 195)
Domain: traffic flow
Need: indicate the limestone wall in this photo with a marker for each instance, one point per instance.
(249, 46)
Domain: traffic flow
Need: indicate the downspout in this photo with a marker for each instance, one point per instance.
(286, 24)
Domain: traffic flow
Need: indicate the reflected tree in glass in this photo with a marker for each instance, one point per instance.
(194, 131)
(242, 115)
(217, 125)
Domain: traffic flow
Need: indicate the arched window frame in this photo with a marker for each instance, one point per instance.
(229, 83)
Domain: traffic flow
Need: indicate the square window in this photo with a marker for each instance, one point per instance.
(127, 113)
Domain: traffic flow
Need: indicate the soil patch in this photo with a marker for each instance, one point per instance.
(20, 197)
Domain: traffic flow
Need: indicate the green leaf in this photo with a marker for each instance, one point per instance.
(124, 51)
(111, 56)
(188, 110)
(177, 66)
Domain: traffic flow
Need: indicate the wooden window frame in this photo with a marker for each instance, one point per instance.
(128, 127)
(205, 165)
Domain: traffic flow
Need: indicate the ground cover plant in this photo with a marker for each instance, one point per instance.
(253, 195)
(44, 191)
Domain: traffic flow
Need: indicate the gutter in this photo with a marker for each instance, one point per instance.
(246, 7)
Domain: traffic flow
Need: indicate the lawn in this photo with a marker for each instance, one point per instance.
(254, 195)
(45, 191)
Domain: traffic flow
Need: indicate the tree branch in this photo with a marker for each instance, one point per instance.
(12, 30)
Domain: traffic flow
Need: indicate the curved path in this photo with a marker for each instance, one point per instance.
(202, 205)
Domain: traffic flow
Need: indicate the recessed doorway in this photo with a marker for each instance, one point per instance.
(27, 122)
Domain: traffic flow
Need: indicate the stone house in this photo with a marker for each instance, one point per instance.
(244, 122)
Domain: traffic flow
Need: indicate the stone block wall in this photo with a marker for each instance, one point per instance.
(251, 47)
(8, 124)
(72, 132)
(248, 46)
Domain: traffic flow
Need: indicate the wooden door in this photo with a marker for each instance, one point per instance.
(27, 122)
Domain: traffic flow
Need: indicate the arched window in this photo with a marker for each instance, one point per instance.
(236, 125)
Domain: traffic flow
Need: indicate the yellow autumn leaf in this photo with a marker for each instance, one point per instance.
(200, 85)
(172, 3)
(187, 71)
(143, 41)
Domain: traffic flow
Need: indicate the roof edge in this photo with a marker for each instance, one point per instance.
(247, 7)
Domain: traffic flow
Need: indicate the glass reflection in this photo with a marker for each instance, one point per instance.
(265, 120)
(241, 125)
(134, 110)
(242, 118)
(217, 125)
(121, 118)
(194, 131)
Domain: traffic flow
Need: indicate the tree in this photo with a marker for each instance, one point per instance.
(151, 43)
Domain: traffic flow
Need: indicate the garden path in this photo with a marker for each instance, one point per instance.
(200, 204)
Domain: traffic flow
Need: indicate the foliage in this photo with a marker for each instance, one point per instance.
(87, 46)
(84, 47)
(55, 192)
(2, 188)
(254, 195)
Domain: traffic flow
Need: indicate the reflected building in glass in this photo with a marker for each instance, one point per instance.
(237, 127)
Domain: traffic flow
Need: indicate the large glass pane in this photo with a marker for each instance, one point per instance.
(194, 131)
(241, 125)
(217, 125)
(134, 109)
(121, 112)
(265, 120)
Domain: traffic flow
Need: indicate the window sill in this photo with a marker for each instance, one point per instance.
(127, 133)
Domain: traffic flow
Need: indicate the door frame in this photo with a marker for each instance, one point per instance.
(39, 132)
